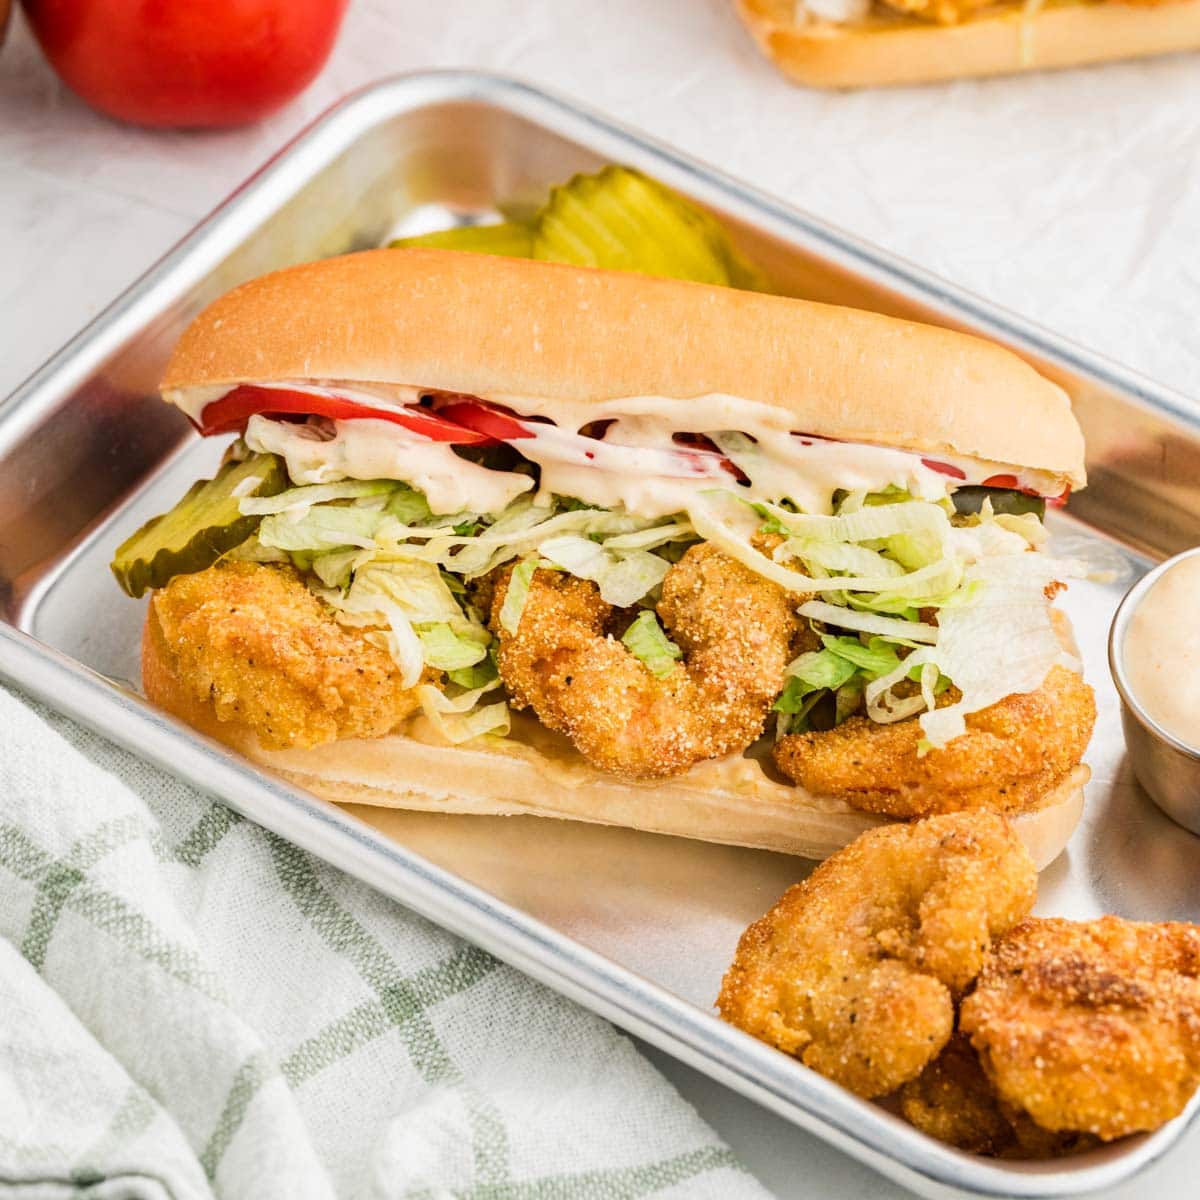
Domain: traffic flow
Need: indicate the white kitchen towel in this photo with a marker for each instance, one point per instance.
(192, 1007)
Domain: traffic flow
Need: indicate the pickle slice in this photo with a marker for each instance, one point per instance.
(508, 238)
(1004, 500)
(203, 526)
(623, 220)
(619, 219)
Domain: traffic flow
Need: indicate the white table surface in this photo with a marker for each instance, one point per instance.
(1073, 198)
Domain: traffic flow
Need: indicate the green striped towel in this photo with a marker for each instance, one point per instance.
(192, 1007)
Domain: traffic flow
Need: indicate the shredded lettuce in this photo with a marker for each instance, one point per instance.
(335, 568)
(734, 525)
(410, 507)
(476, 676)
(517, 595)
(845, 557)
(864, 525)
(1026, 525)
(252, 550)
(650, 645)
(400, 641)
(1003, 643)
(877, 657)
(653, 537)
(624, 577)
(462, 718)
(446, 650)
(426, 625)
(848, 666)
(813, 672)
(866, 622)
(301, 499)
(321, 528)
(415, 587)
(522, 529)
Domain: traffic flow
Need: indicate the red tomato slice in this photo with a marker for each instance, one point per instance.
(944, 468)
(1011, 481)
(488, 421)
(230, 413)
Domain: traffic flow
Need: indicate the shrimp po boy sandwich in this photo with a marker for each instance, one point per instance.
(503, 536)
(871, 43)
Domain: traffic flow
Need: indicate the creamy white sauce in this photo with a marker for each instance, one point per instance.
(627, 468)
(779, 464)
(808, 471)
(367, 449)
(654, 479)
(715, 412)
(1161, 654)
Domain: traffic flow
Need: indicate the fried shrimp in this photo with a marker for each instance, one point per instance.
(736, 630)
(855, 970)
(953, 1101)
(1091, 1026)
(1012, 755)
(257, 644)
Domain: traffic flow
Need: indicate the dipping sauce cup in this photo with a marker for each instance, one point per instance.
(1154, 656)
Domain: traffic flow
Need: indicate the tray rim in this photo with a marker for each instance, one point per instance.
(633, 1002)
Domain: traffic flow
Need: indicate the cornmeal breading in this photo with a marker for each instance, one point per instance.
(256, 643)
(1013, 754)
(1091, 1026)
(855, 971)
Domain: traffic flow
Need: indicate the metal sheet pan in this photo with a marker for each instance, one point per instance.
(635, 926)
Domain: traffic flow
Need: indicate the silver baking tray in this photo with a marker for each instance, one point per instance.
(636, 926)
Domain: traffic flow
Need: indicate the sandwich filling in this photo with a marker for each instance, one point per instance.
(617, 567)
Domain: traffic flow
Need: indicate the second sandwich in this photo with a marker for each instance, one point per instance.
(504, 536)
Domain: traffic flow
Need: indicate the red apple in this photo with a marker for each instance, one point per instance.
(186, 62)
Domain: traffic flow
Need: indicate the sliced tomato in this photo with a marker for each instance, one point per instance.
(230, 413)
(1011, 482)
(944, 468)
(486, 420)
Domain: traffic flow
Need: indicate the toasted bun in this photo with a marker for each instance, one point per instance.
(732, 801)
(569, 338)
(999, 41)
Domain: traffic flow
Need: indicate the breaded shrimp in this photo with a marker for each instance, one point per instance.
(953, 1101)
(1091, 1026)
(736, 630)
(1012, 755)
(855, 970)
(254, 641)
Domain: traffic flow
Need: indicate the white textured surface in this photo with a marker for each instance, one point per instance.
(1073, 198)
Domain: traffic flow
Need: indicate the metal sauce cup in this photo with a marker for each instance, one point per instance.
(1167, 768)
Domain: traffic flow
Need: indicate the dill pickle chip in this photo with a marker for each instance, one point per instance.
(1004, 500)
(623, 220)
(203, 526)
(509, 239)
(618, 219)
